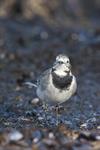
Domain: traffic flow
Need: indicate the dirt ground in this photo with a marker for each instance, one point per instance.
(27, 48)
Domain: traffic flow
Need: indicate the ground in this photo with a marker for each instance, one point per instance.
(26, 50)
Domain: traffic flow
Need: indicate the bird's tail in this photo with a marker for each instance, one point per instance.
(30, 84)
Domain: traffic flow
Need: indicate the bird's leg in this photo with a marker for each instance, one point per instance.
(57, 109)
(45, 108)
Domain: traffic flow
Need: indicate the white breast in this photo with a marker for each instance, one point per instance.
(56, 95)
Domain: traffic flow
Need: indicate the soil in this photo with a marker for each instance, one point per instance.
(26, 50)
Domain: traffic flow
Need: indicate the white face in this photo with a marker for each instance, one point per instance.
(61, 70)
(62, 66)
(63, 59)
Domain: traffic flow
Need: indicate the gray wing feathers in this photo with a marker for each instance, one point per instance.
(43, 79)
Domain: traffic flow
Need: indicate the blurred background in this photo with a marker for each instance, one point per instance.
(54, 11)
(32, 33)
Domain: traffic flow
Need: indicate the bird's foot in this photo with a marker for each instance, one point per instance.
(45, 107)
(57, 108)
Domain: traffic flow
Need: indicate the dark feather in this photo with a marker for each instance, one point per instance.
(61, 82)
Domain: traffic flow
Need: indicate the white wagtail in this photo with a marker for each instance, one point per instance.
(56, 84)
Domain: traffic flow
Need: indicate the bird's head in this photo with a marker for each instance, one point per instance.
(62, 66)
(64, 60)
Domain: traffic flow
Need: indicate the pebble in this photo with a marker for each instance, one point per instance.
(98, 137)
(51, 135)
(35, 140)
(11, 56)
(2, 56)
(84, 125)
(36, 135)
(35, 101)
(98, 127)
(44, 35)
(40, 118)
(15, 135)
(18, 88)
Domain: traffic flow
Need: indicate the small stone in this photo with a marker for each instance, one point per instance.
(6, 123)
(35, 101)
(11, 56)
(98, 137)
(44, 35)
(98, 127)
(51, 135)
(15, 136)
(35, 140)
(36, 135)
(84, 125)
(90, 106)
(18, 88)
(2, 56)
(40, 118)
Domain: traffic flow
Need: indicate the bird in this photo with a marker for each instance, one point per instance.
(57, 84)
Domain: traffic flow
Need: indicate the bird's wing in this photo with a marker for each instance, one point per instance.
(43, 79)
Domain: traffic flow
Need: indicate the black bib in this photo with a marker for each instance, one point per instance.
(61, 82)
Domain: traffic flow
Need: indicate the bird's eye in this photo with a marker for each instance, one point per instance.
(67, 61)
